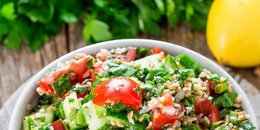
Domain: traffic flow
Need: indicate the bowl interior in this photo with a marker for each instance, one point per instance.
(29, 95)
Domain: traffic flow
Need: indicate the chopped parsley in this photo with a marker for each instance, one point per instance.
(226, 100)
(62, 85)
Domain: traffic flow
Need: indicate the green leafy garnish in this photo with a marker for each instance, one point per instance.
(121, 70)
(215, 78)
(170, 62)
(90, 63)
(188, 63)
(62, 85)
(226, 100)
(118, 107)
(142, 52)
(88, 98)
(247, 125)
(33, 22)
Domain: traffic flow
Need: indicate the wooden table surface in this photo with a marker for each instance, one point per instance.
(19, 65)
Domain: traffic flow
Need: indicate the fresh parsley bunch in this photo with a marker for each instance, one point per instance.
(33, 22)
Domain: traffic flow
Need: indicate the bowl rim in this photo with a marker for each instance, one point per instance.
(29, 90)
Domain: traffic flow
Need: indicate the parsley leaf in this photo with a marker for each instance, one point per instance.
(247, 125)
(226, 100)
(96, 30)
(62, 85)
(104, 20)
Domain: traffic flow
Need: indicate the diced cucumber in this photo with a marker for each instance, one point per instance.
(94, 115)
(41, 126)
(40, 119)
(150, 62)
(233, 117)
(69, 103)
(221, 87)
(72, 112)
(26, 125)
(222, 127)
(188, 63)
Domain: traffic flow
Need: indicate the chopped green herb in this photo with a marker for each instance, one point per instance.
(121, 70)
(247, 125)
(226, 100)
(62, 85)
(170, 61)
(188, 63)
(118, 107)
(215, 78)
(88, 97)
(142, 52)
(90, 63)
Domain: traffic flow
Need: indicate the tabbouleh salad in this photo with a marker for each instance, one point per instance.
(135, 89)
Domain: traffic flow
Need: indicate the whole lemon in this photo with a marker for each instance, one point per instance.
(233, 32)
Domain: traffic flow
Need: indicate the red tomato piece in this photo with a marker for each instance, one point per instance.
(46, 82)
(99, 70)
(118, 89)
(103, 54)
(202, 106)
(156, 50)
(214, 116)
(166, 100)
(168, 113)
(58, 125)
(77, 70)
(82, 95)
(208, 85)
(131, 54)
(159, 119)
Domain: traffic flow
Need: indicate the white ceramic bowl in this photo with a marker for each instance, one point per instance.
(29, 95)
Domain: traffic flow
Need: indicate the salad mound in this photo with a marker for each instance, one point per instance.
(135, 88)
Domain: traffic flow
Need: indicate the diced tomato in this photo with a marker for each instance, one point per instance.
(159, 119)
(214, 115)
(161, 116)
(103, 54)
(82, 95)
(203, 106)
(208, 85)
(166, 100)
(118, 89)
(156, 50)
(77, 70)
(58, 125)
(46, 82)
(99, 70)
(130, 55)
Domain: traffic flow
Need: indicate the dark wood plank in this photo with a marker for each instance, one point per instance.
(257, 71)
(10, 74)
(60, 43)
(75, 36)
(1, 72)
(37, 63)
(48, 52)
(23, 61)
